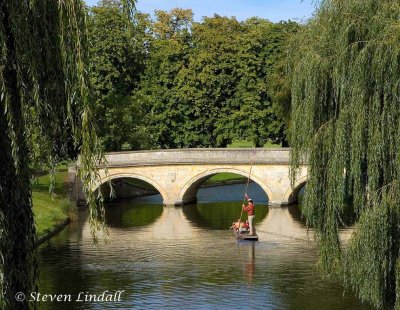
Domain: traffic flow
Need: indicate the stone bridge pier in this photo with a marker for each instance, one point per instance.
(178, 174)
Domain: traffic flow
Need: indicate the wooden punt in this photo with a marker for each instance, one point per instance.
(244, 235)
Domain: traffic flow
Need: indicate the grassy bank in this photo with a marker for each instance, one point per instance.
(50, 210)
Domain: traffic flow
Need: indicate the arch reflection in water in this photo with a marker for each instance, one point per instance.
(127, 213)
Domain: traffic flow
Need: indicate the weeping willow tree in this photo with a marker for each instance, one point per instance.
(346, 124)
(43, 57)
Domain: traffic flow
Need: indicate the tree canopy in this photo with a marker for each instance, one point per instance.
(117, 53)
(346, 124)
(207, 83)
(167, 55)
(172, 82)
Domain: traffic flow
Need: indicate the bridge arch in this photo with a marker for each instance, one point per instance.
(293, 193)
(146, 179)
(189, 191)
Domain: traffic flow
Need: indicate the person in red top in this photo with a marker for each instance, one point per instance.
(250, 214)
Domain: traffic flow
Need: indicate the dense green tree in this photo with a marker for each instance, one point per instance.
(43, 57)
(346, 123)
(262, 50)
(279, 77)
(249, 114)
(206, 84)
(168, 54)
(225, 86)
(117, 54)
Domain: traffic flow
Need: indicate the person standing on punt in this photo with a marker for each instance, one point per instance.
(250, 214)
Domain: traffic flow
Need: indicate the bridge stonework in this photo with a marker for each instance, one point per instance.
(178, 174)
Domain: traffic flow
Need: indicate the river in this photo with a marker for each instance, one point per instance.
(187, 258)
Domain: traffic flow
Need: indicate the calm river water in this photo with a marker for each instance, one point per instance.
(187, 258)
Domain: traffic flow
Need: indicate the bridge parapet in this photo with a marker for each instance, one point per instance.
(198, 156)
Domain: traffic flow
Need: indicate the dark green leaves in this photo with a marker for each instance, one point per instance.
(117, 55)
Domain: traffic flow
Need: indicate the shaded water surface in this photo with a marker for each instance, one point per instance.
(187, 258)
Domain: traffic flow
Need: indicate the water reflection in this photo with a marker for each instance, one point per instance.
(122, 213)
(283, 223)
(187, 258)
(250, 266)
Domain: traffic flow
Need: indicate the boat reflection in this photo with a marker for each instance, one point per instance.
(250, 266)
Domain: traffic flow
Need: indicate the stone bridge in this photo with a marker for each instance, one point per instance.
(177, 174)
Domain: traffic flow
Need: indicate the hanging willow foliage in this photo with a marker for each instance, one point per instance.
(346, 124)
(43, 57)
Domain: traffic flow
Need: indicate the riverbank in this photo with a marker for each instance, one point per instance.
(52, 212)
